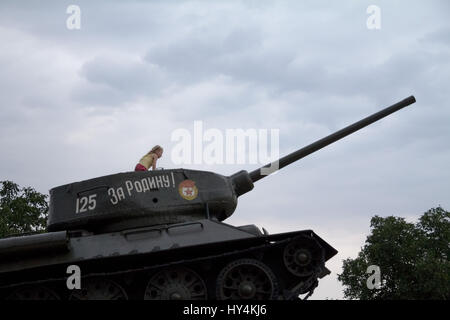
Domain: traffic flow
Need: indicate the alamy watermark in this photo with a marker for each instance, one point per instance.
(229, 146)
(374, 20)
(74, 280)
(374, 280)
(73, 22)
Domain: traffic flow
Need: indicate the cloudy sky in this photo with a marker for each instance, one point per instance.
(82, 103)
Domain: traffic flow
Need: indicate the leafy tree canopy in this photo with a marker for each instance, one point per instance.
(413, 259)
(21, 209)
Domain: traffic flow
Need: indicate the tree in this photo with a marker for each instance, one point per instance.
(21, 209)
(413, 259)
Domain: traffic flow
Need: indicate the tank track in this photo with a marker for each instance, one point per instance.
(247, 273)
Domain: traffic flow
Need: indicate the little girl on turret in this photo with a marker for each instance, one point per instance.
(150, 159)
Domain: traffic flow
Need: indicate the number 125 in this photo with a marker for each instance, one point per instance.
(86, 203)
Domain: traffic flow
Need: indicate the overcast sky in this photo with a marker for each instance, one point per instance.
(77, 104)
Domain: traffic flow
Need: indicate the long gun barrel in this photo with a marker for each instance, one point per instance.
(319, 144)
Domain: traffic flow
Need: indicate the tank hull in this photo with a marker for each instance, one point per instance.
(139, 263)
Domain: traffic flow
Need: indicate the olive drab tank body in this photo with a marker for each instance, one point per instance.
(160, 235)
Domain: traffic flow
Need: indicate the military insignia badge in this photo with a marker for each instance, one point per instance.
(188, 190)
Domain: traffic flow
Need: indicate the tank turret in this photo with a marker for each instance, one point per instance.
(133, 199)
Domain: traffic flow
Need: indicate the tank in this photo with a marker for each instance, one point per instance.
(160, 235)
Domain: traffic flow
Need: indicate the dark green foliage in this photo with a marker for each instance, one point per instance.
(21, 209)
(413, 259)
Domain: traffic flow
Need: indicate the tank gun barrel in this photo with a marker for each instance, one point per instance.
(319, 144)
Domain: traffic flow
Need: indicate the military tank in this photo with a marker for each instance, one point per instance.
(160, 235)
